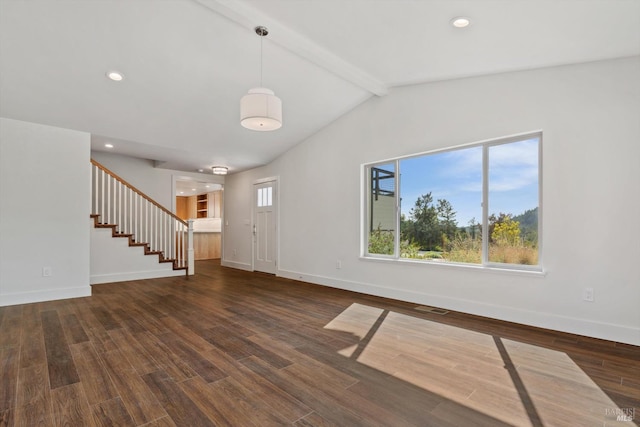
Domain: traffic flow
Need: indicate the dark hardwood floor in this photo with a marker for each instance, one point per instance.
(227, 347)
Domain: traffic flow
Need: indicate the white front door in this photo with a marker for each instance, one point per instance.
(264, 227)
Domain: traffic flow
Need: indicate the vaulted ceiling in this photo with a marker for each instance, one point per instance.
(187, 63)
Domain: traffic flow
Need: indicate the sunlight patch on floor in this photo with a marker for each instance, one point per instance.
(518, 383)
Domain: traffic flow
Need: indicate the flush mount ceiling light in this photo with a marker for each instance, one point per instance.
(107, 145)
(219, 170)
(460, 22)
(116, 76)
(261, 109)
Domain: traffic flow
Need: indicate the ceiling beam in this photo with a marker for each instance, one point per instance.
(296, 43)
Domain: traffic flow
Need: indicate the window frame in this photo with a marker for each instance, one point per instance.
(485, 263)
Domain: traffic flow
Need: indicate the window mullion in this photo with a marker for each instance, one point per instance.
(397, 203)
(485, 204)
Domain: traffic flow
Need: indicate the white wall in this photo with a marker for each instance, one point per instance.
(44, 207)
(590, 118)
(236, 229)
(113, 260)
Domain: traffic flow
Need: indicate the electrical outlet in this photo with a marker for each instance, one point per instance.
(46, 272)
(338, 264)
(587, 294)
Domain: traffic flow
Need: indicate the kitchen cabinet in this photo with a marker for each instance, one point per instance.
(202, 206)
(215, 204)
(206, 205)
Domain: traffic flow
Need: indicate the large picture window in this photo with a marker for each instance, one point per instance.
(476, 204)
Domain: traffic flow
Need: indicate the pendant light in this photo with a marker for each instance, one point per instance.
(261, 109)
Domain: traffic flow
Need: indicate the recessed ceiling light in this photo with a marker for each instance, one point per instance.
(460, 22)
(182, 192)
(206, 186)
(115, 76)
(193, 189)
(108, 145)
(200, 170)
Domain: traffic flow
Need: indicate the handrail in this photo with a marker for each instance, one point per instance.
(149, 199)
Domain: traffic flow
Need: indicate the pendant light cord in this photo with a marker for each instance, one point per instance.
(261, 37)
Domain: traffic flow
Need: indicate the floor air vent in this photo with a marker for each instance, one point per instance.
(434, 310)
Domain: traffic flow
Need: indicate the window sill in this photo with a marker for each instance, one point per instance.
(538, 272)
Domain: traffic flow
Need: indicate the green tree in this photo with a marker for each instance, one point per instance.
(406, 226)
(447, 218)
(474, 229)
(424, 221)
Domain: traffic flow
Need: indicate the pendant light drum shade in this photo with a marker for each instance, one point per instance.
(261, 110)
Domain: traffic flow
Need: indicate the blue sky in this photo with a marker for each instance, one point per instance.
(457, 176)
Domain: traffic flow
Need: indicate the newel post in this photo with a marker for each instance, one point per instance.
(191, 263)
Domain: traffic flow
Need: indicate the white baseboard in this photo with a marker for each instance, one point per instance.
(136, 275)
(44, 295)
(606, 331)
(233, 264)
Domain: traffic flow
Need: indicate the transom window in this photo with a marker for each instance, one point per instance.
(475, 204)
(265, 197)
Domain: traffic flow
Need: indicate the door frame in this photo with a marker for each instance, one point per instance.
(276, 201)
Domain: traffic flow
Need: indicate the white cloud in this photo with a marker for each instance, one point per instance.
(513, 166)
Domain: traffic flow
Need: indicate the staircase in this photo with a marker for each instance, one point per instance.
(134, 216)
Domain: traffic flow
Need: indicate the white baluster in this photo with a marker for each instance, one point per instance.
(152, 227)
(146, 224)
(179, 244)
(161, 231)
(102, 211)
(121, 206)
(135, 218)
(130, 211)
(94, 177)
(117, 212)
(109, 200)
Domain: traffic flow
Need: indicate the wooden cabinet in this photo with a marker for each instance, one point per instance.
(208, 205)
(215, 204)
(191, 207)
(182, 207)
(202, 206)
(206, 246)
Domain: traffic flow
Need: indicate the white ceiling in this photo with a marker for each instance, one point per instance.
(187, 63)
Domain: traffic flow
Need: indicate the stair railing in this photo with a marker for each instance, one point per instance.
(118, 202)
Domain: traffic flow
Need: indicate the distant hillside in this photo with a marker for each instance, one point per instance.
(528, 224)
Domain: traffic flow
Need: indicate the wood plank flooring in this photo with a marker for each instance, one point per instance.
(232, 348)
